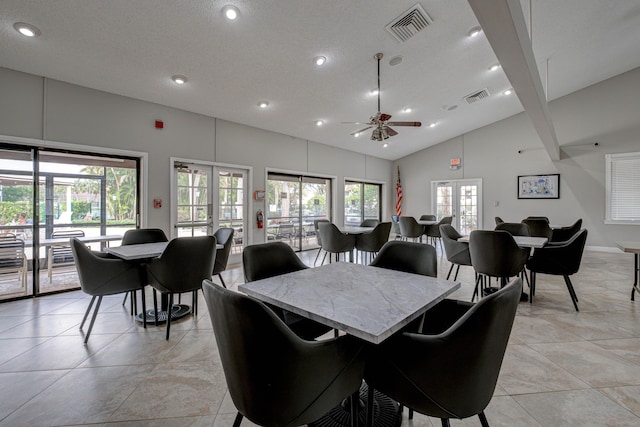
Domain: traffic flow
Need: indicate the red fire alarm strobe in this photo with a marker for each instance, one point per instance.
(157, 203)
(159, 124)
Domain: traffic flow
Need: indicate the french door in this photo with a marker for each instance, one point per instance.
(209, 197)
(460, 199)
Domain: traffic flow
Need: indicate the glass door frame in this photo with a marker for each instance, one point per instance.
(455, 185)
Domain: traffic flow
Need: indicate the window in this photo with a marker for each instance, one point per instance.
(623, 188)
(361, 201)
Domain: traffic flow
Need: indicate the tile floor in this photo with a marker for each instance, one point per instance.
(561, 368)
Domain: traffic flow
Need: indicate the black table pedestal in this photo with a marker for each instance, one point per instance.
(178, 311)
(386, 412)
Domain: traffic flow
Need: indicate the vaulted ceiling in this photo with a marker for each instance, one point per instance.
(134, 47)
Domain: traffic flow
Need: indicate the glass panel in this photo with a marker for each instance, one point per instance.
(16, 224)
(231, 204)
(444, 200)
(372, 201)
(352, 203)
(468, 210)
(315, 205)
(192, 210)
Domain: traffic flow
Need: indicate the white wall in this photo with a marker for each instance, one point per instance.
(606, 113)
(39, 108)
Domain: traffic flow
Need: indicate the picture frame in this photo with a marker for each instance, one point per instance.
(545, 186)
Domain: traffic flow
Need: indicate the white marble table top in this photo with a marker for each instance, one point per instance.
(629, 247)
(350, 229)
(142, 251)
(522, 241)
(367, 302)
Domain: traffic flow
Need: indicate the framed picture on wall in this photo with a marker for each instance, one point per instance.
(539, 186)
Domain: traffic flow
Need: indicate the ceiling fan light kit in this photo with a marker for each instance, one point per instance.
(380, 121)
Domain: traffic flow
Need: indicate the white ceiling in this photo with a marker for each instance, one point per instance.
(133, 47)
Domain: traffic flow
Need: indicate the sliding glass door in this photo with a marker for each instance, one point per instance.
(293, 203)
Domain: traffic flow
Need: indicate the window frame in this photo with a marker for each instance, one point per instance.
(610, 160)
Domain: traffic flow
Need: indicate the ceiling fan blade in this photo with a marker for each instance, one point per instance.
(384, 117)
(390, 131)
(415, 124)
(356, 123)
(360, 131)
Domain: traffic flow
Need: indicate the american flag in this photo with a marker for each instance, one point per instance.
(399, 195)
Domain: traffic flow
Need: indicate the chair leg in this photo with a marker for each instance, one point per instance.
(124, 300)
(355, 406)
(483, 419)
(317, 256)
(369, 406)
(445, 422)
(224, 285)
(86, 313)
(93, 319)
(410, 413)
(325, 257)
(144, 308)
(572, 292)
(476, 291)
(155, 306)
(532, 287)
(457, 271)
(169, 310)
(450, 270)
(238, 420)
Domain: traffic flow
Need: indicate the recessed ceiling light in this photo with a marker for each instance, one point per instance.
(319, 60)
(407, 110)
(179, 79)
(230, 12)
(26, 29)
(319, 123)
(474, 32)
(433, 124)
(385, 145)
(508, 92)
(494, 67)
(373, 92)
(263, 104)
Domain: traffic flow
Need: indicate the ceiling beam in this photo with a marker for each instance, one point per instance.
(503, 24)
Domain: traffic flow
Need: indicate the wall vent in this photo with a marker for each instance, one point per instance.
(476, 96)
(409, 23)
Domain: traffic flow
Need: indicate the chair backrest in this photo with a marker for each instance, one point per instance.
(268, 260)
(496, 254)
(369, 223)
(104, 276)
(184, 264)
(499, 220)
(139, 236)
(545, 218)
(457, 252)
(410, 257)
(333, 240)
(274, 377)
(11, 253)
(409, 227)
(224, 237)
(452, 374)
(565, 233)
(61, 253)
(538, 227)
(564, 258)
(427, 217)
(374, 240)
(514, 228)
(317, 229)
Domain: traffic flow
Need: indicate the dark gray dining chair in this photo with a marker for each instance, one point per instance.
(538, 227)
(224, 237)
(495, 254)
(514, 228)
(273, 259)
(369, 223)
(433, 231)
(371, 243)
(427, 217)
(318, 238)
(335, 241)
(182, 267)
(563, 234)
(450, 369)
(101, 275)
(139, 236)
(410, 257)
(457, 252)
(274, 377)
(410, 229)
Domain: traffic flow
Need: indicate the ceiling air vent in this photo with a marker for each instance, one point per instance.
(409, 23)
(476, 96)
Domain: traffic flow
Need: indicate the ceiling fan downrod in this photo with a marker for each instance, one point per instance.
(378, 56)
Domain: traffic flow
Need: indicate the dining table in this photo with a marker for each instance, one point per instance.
(633, 248)
(142, 253)
(522, 241)
(369, 303)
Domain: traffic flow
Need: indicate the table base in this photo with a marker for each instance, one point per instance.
(636, 275)
(178, 311)
(386, 412)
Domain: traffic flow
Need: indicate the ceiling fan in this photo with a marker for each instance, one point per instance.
(380, 121)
